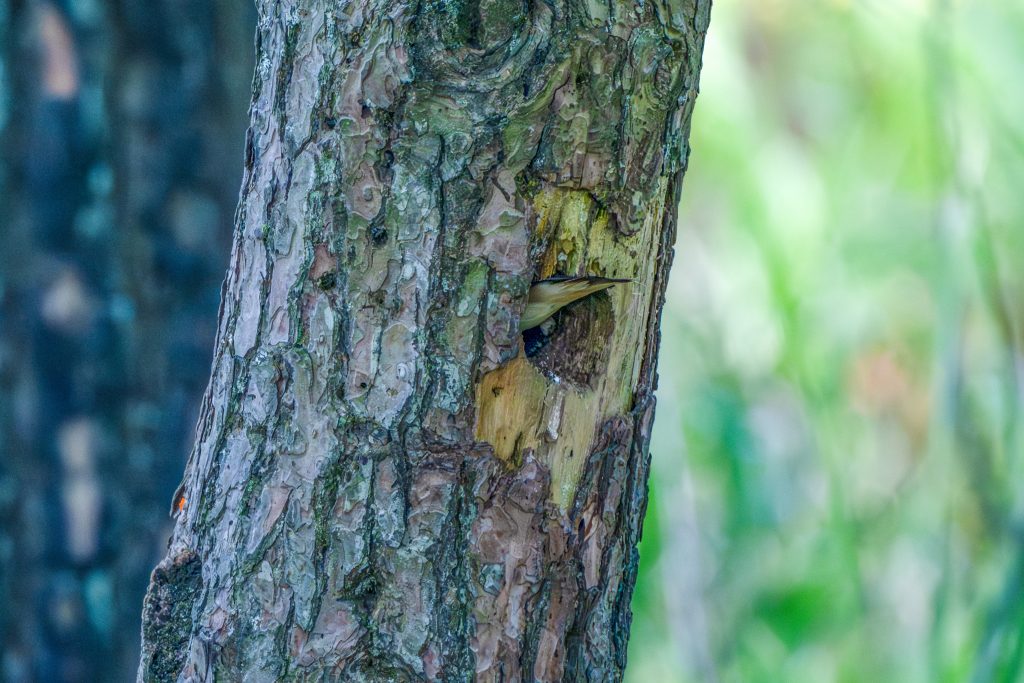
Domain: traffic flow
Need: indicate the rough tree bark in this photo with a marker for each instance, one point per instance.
(383, 486)
(114, 178)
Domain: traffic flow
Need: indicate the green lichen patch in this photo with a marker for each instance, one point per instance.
(167, 616)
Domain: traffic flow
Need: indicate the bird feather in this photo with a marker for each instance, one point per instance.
(549, 295)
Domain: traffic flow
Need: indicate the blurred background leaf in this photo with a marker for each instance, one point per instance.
(842, 354)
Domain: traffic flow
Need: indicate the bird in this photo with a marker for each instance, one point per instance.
(549, 295)
(178, 501)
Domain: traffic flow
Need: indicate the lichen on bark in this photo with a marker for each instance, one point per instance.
(383, 486)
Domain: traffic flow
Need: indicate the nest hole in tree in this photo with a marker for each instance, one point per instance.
(574, 345)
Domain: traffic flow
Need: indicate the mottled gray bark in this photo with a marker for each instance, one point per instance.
(383, 487)
(117, 198)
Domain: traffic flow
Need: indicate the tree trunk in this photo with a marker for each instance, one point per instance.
(384, 486)
(114, 183)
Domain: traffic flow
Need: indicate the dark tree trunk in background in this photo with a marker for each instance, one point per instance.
(383, 487)
(121, 141)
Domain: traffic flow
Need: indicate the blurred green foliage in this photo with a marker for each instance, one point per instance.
(843, 354)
